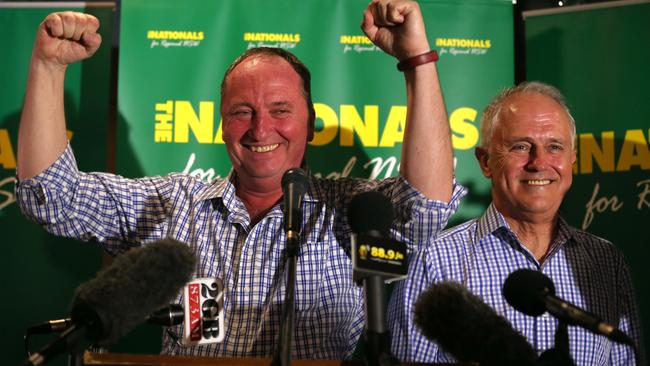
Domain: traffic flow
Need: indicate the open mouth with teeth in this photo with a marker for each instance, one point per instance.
(538, 182)
(263, 149)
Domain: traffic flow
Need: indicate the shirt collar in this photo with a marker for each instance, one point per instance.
(492, 221)
(225, 190)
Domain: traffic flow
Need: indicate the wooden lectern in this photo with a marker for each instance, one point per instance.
(123, 359)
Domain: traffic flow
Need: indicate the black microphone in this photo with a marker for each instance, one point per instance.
(294, 186)
(469, 329)
(533, 293)
(376, 258)
(370, 215)
(168, 316)
(122, 295)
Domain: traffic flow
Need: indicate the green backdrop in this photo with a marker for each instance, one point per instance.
(173, 56)
(598, 56)
(39, 271)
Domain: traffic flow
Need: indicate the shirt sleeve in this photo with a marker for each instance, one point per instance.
(106, 208)
(419, 219)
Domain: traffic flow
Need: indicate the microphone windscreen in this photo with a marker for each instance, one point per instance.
(370, 211)
(524, 290)
(298, 178)
(467, 328)
(136, 284)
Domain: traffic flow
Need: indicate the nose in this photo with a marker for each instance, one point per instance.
(537, 160)
(261, 126)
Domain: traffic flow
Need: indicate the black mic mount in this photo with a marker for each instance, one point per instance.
(294, 186)
(376, 259)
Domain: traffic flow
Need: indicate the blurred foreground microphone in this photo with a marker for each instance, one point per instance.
(122, 295)
(294, 186)
(467, 328)
(376, 259)
(533, 293)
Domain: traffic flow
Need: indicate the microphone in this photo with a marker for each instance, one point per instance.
(375, 259)
(122, 295)
(294, 186)
(167, 316)
(371, 215)
(469, 329)
(533, 293)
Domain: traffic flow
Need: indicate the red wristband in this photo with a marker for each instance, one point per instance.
(413, 62)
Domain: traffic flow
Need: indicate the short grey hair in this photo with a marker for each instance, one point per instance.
(492, 113)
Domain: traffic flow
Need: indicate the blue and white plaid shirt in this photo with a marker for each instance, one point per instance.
(480, 254)
(120, 213)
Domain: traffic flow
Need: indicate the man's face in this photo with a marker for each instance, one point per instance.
(530, 158)
(266, 122)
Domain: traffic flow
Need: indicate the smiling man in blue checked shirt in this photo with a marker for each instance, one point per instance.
(527, 150)
(235, 224)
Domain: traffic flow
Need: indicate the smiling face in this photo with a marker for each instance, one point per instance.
(530, 157)
(266, 122)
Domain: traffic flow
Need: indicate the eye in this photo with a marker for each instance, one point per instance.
(556, 148)
(280, 112)
(241, 113)
(520, 147)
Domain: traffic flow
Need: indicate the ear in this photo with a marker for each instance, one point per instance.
(482, 156)
(310, 123)
(573, 156)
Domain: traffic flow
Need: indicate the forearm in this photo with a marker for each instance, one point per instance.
(42, 133)
(427, 156)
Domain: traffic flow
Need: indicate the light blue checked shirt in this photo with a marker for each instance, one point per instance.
(120, 213)
(480, 254)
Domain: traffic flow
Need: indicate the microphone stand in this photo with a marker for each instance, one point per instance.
(560, 354)
(376, 336)
(282, 354)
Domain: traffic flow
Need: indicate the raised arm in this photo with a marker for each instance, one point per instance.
(62, 38)
(397, 27)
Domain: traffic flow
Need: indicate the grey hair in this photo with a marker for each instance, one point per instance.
(492, 113)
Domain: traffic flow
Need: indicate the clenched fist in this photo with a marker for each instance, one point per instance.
(66, 37)
(397, 27)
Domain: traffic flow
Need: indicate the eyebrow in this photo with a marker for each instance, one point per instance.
(531, 140)
(282, 103)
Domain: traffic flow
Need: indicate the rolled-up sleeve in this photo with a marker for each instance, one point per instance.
(43, 197)
(106, 208)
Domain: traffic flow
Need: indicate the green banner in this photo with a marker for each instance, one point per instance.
(40, 272)
(598, 57)
(173, 56)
